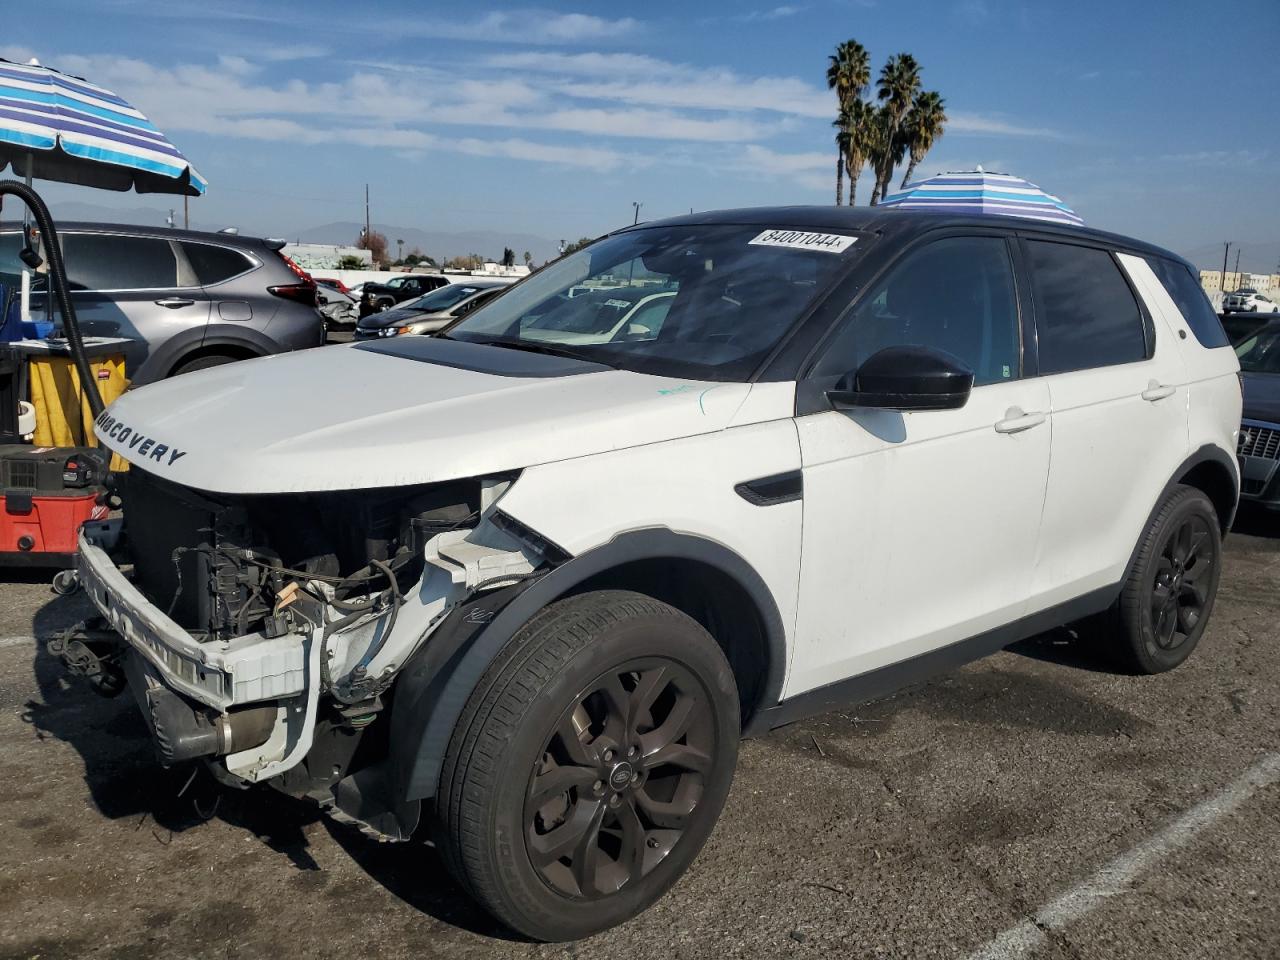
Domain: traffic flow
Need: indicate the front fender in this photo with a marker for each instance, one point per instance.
(435, 685)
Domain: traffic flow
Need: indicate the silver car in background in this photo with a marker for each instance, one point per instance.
(433, 312)
(186, 299)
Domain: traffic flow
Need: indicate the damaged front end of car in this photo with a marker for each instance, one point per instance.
(263, 634)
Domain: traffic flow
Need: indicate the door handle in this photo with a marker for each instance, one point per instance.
(1157, 391)
(1015, 420)
(174, 302)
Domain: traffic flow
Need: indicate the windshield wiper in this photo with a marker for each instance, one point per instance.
(550, 349)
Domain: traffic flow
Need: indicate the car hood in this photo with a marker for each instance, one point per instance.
(392, 317)
(1262, 397)
(391, 413)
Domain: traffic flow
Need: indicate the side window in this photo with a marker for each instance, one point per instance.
(1189, 297)
(1086, 315)
(955, 295)
(98, 261)
(471, 304)
(214, 264)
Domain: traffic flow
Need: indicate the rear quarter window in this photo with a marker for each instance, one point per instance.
(1189, 297)
(214, 264)
(1086, 315)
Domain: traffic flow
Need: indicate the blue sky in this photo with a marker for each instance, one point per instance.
(551, 119)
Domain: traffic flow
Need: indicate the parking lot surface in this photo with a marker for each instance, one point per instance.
(1033, 804)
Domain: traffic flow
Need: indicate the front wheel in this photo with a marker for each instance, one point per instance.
(589, 766)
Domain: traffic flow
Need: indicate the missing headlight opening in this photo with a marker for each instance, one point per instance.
(264, 631)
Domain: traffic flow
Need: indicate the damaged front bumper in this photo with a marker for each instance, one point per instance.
(220, 674)
(199, 694)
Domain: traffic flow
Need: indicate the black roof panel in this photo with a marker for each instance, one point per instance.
(902, 223)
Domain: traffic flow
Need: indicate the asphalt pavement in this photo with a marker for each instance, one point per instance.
(1034, 804)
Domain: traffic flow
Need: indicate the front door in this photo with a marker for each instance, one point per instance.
(132, 287)
(920, 528)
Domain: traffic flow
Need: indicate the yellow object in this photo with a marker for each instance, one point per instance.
(63, 417)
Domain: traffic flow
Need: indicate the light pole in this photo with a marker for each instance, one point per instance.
(1226, 247)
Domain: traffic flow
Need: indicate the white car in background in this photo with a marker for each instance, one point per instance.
(1248, 301)
(635, 313)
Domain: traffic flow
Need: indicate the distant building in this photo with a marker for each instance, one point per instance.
(1211, 280)
(491, 269)
(323, 256)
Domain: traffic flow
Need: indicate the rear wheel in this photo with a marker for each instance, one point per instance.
(589, 766)
(1166, 600)
(203, 363)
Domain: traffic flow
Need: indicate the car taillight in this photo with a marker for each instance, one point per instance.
(298, 292)
(304, 291)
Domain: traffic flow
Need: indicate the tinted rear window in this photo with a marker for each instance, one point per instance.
(1086, 315)
(99, 261)
(1189, 297)
(213, 264)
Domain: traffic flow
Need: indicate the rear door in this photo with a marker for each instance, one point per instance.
(134, 287)
(214, 267)
(1118, 399)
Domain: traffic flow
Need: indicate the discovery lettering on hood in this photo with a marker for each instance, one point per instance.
(108, 427)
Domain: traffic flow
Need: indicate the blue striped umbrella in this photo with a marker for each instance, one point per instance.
(58, 127)
(977, 191)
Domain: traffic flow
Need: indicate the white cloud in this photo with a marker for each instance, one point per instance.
(812, 170)
(638, 79)
(1217, 158)
(774, 13)
(977, 123)
(583, 104)
(524, 26)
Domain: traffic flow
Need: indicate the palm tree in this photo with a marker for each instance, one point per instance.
(922, 126)
(848, 73)
(897, 86)
(843, 136)
(859, 140)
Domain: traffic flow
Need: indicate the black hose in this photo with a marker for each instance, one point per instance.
(58, 287)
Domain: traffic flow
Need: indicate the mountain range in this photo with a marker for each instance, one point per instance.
(1261, 257)
(435, 243)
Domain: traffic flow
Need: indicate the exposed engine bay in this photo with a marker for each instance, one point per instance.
(260, 629)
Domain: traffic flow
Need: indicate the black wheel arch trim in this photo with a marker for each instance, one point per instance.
(1209, 453)
(434, 686)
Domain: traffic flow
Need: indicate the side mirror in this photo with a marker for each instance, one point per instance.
(906, 378)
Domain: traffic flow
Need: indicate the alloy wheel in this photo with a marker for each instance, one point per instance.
(1183, 577)
(620, 778)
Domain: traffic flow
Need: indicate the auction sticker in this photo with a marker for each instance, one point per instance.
(801, 240)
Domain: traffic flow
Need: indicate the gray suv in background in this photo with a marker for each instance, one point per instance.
(188, 300)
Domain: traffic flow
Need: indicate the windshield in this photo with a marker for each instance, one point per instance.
(444, 298)
(1260, 353)
(706, 302)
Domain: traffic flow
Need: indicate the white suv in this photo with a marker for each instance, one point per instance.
(1248, 301)
(529, 594)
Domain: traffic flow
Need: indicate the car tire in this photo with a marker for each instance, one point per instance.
(205, 362)
(382, 305)
(612, 718)
(1168, 595)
